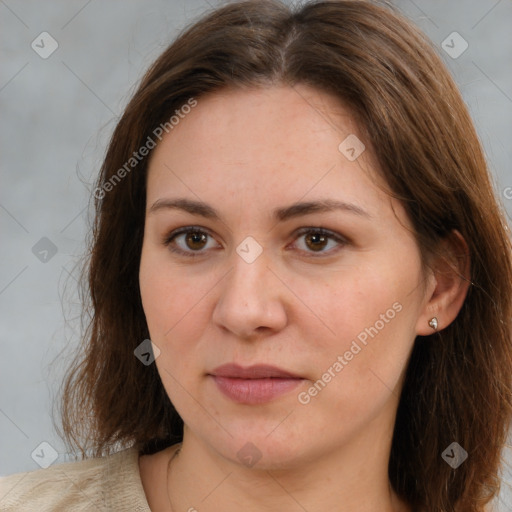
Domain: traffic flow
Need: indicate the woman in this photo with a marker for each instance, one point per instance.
(296, 211)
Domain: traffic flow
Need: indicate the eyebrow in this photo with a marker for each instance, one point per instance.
(281, 214)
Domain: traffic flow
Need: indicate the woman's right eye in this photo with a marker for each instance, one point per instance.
(189, 241)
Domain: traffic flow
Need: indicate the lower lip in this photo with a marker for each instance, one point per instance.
(254, 391)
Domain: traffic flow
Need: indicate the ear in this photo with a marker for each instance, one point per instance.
(448, 284)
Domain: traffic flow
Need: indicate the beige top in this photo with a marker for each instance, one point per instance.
(110, 483)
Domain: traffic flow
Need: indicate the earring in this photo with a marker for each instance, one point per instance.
(433, 323)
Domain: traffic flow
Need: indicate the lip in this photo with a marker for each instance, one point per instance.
(256, 371)
(255, 384)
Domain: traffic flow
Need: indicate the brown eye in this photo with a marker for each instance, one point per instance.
(195, 240)
(188, 241)
(316, 241)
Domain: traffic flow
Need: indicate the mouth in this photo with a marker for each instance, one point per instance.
(255, 384)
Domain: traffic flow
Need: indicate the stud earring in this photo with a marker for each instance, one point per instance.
(433, 323)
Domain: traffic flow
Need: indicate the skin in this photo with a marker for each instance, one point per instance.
(298, 306)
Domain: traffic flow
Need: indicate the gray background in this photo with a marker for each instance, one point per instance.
(57, 115)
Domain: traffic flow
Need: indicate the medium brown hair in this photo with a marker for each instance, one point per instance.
(458, 381)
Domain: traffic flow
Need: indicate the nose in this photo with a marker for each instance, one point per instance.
(250, 302)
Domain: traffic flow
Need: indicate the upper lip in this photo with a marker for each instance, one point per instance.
(257, 371)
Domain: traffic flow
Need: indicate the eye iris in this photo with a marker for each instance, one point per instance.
(315, 237)
(195, 237)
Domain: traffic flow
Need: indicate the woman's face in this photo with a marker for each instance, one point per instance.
(335, 312)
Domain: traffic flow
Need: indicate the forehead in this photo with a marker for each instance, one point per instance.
(270, 145)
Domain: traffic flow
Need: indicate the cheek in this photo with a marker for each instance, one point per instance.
(176, 317)
(167, 297)
(371, 315)
(358, 381)
(175, 305)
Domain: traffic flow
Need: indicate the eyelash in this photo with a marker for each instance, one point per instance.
(168, 239)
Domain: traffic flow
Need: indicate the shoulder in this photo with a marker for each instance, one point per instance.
(105, 483)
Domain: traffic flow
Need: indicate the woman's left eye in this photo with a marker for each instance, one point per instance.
(194, 240)
(318, 239)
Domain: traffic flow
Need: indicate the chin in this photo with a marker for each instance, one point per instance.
(261, 448)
